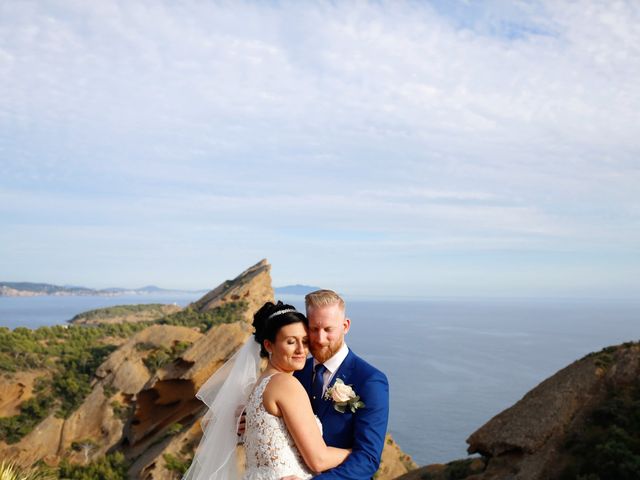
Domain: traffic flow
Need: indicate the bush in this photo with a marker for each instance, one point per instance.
(111, 467)
(189, 317)
(120, 311)
(162, 356)
(175, 464)
(609, 446)
(32, 412)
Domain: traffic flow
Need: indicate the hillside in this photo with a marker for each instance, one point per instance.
(30, 289)
(117, 400)
(125, 313)
(582, 423)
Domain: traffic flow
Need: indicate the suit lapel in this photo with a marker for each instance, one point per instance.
(344, 373)
(305, 375)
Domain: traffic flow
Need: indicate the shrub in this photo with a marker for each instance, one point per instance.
(111, 467)
(609, 445)
(175, 464)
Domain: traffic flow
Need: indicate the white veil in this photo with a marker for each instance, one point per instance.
(226, 390)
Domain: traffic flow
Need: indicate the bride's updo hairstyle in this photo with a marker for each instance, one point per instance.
(270, 319)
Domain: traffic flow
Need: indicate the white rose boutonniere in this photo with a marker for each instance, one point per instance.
(343, 397)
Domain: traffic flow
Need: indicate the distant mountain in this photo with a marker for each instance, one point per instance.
(295, 289)
(22, 289)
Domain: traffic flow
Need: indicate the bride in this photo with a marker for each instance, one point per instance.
(282, 437)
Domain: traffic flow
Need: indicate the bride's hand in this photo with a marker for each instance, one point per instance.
(242, 424)
(290, 477)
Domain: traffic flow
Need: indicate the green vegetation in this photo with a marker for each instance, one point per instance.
(121, 311)
(609, 445)
(24, 349)
(123, 412)
(176, 464)
(109, 390)
(162, 356)
(32, 412)
(173, 429)
(189, 317)
(603, 358)
(70, 353)
(111, 467)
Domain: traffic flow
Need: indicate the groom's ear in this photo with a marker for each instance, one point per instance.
(347, 324)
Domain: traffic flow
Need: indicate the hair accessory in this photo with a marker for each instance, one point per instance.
(280, 312)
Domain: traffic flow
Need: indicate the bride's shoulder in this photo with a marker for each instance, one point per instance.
(285, 383)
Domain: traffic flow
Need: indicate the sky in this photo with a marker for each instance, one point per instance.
(418, 148)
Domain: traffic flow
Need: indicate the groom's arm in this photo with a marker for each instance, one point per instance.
(370, 428)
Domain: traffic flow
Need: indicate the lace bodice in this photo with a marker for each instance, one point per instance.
(270, 449)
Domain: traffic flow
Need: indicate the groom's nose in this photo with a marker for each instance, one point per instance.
(321, 337)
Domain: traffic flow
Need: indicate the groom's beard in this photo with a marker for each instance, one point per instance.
(325, 352)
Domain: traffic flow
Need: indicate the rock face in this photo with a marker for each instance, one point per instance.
(39, 444)
(130, 407)
(17, 388)
(253, 286)
(394, 462)
(528, 440)
(167, 400)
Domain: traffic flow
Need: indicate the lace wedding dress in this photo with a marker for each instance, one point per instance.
(270, 449)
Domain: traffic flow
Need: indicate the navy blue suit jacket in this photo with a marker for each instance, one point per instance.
(363, 431)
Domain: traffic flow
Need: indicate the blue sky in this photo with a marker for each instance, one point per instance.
(402, 148)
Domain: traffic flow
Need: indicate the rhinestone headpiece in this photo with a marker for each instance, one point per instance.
(280, 312)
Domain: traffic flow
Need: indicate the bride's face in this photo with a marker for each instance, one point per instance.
(290, 349)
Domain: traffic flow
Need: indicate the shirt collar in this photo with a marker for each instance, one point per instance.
(334, 362)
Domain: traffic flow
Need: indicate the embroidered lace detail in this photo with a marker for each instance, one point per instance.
(270, 449)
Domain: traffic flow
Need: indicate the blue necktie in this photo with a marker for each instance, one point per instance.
(316, 388)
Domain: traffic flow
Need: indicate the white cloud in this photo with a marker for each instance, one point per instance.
(424, 124)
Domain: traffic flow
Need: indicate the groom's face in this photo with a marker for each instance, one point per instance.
(327, 327)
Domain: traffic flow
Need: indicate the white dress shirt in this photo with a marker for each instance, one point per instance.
(332, 366)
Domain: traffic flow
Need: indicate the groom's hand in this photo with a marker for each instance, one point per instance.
(290, 477)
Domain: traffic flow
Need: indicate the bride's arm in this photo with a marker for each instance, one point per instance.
(285, 397)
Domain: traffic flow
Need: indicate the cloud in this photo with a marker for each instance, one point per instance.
(389, 125)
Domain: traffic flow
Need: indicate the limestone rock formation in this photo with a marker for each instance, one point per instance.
(253, 286)
(528, 440)
(394, 462)
(167, 401)
(457, 469)
(39, 444)
(16, 388)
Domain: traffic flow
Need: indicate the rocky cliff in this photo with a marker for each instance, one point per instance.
(583, 422)
(142, 396)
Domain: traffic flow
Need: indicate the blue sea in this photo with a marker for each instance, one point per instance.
(452, 364)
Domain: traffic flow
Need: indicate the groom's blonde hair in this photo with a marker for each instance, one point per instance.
(323, 298)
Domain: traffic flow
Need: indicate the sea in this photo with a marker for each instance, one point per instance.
(452, 363)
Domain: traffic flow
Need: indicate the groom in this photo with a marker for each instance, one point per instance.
(364, 430)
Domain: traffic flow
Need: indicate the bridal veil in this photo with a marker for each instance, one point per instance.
(226, 390)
